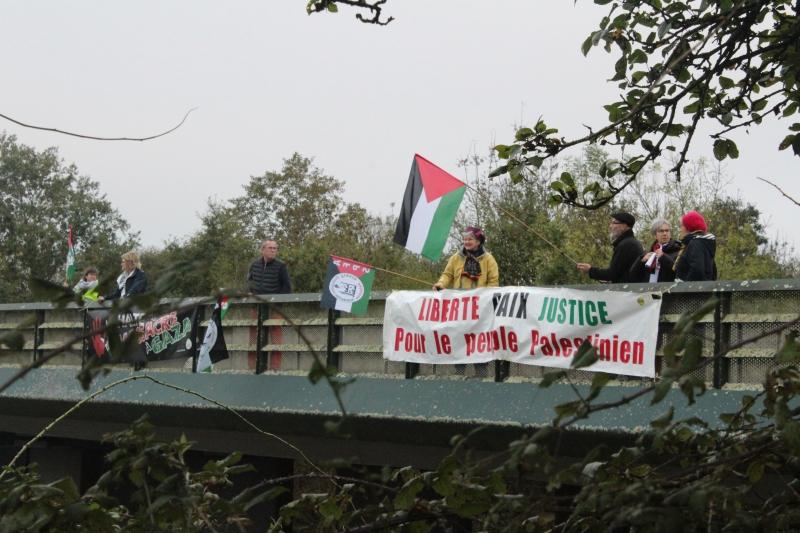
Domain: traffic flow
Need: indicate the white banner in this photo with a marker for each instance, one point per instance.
(528, 325)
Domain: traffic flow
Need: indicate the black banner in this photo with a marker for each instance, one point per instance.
(167, 336)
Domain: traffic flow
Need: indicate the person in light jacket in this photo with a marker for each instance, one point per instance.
(472, 266)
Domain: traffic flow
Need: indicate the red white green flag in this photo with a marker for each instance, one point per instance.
(213, 348)
(429, 207)
(347, 285)
(70, 266)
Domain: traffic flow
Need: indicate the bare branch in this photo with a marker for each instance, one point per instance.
(96, 138)
(780, 190)
(375, 7)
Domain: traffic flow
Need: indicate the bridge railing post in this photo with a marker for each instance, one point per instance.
(38, 335)
(84, 333)
(501, 370)
(196, 340)
(333, 340)
(412, 369)
(262, 337)
(722, 334)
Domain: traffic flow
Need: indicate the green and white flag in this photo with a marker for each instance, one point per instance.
(429, 207)
(347, 285)
(70, 267)
(213, 349)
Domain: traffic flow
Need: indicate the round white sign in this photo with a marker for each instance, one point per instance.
(346, 287)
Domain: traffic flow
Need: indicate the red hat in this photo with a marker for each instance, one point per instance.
(694, 221)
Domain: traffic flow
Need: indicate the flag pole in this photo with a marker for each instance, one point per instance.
(426, 283)
(70, 263)
(516, 219)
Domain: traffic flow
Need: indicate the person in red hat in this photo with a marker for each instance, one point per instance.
(695, 261)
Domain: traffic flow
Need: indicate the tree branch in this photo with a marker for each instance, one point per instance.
(780, 190)
(96, 138)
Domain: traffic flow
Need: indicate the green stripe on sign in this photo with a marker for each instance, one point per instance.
(441, 224)
(360, 307)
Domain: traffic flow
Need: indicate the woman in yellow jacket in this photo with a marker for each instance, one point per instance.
(472, 266)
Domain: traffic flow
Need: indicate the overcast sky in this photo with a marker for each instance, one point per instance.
(445, 78)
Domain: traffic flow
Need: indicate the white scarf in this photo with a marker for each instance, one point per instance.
(121, 282)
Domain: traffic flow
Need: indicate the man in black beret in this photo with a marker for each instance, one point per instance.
(627, 251)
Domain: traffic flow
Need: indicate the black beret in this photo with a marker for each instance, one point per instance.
(625, 218)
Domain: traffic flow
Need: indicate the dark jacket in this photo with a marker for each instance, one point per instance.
(696, 262)
(268, 277)
(666, 263)
(135, 284)
(626, 250)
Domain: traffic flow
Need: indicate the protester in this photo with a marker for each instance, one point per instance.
(268, 274)
(695, 261)
(88, 285)
(470, 268)
(657, 264)
(132, 280)
(627, 251)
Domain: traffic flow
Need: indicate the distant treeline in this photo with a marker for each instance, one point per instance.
(306, 212)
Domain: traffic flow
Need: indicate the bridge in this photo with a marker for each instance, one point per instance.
(398, 413)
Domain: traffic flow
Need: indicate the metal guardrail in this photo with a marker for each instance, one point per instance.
(269, 334)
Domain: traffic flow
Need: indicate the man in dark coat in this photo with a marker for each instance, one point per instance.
(268, 274)
(627, 250)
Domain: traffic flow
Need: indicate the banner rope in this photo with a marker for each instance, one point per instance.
(393, 273)
(517, 219)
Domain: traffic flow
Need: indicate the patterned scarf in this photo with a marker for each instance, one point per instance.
(472, 267)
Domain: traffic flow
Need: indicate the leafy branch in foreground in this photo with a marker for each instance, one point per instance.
(738, 473)
(730, 63)
(373, 7)
(147, 487)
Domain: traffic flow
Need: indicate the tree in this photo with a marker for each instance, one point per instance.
(745, 250)
(39, 197)
(304, 210)
(729, 63)
(292, 204)
(148, 486)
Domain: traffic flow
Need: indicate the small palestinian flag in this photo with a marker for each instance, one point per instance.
(213, 349)
(429, 207)
(347, 285)
(70, 266)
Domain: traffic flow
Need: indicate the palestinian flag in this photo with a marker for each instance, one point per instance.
(347, 285)
(213, 349)
(70, 268)
(429, 207)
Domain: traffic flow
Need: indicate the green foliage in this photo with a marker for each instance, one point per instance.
(304, 210)
(680, 65)
(744, 249)
(39, 197)
(682, 474)
(148, 487)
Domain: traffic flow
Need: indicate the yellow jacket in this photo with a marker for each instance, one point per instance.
(452, 278)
